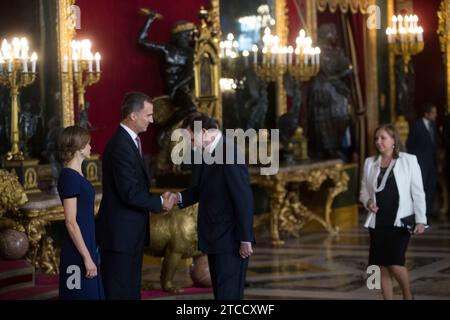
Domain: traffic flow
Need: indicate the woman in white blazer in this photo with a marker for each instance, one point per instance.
(391, 189)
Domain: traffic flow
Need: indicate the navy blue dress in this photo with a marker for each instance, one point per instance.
(71, 286)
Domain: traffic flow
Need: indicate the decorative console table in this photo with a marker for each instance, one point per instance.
(287, 213)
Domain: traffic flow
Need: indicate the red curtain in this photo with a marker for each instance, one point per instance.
(113, 26)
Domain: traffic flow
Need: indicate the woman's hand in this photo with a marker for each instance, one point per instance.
(91, 268)
(372, 206)
(419, 228)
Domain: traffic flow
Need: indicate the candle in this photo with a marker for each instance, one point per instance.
(10, 64)
(16, 47)
(317, 52)
(33, 62)
(90, 58)
(97, 61)
(66, 60)
(273, 55)
(297, 55)
(305, 56)
(420, 34)
(290, 52)
(255, 54)
(25, 65)
(75, 61)
(264, 52)
(245, 53)
(1, 62)
(394, 22)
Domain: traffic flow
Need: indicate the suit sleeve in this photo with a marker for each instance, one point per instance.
(417, 193)
(364, 193)
(189, 197)
(238, 185)
(130, 184)
(412, 141)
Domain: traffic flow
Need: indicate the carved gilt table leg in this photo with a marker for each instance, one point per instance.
(277, 193)
(340, 180)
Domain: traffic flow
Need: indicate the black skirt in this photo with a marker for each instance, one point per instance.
(388, 246)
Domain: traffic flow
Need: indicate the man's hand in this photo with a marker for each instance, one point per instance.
(169, 200)
(245, 250)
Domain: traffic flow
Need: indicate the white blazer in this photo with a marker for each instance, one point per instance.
(409, 183)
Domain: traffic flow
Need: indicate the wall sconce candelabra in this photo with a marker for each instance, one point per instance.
(307, 59)
(275, 60)
(272, 62)
(16, 75)
(83, 68)
(405, 37)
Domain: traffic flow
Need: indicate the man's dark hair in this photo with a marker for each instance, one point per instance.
(427, 107)
(133, 102)
(207, 122)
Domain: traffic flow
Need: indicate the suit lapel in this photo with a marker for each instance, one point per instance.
(137, 155)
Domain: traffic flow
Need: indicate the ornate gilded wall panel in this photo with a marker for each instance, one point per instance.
(282, 31)
(444, 36)
(207, 63)
(65, 31)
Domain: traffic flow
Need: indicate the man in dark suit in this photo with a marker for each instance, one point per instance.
(123, 219)
(422, 141)
(225, 213)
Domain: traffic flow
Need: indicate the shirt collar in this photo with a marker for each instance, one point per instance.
(210, 148)
(426, 122)
(132, 134)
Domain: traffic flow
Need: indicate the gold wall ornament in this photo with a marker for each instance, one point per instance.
(344, 6)
(287, 213)
(83, 71)
(94, 170)
(207, 65)
(26, 170)
(12, 194)
(17, 71)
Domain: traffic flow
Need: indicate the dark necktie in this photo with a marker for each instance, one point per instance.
(138, 140)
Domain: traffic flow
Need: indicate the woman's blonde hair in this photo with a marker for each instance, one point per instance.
(72, 139)
(393, 133)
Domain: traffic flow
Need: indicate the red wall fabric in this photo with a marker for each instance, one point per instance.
(113, 26)
(428, 65)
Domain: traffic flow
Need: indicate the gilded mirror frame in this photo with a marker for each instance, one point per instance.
(444, 40)
(281, 29)
(65, 25)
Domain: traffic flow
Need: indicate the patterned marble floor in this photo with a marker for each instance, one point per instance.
(319, 266)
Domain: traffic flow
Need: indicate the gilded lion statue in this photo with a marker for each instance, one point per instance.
(174, 237)
(12, 196)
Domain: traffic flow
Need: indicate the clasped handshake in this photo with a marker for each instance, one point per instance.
(169, 200)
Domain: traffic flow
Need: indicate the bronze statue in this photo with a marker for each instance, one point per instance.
(405, 84)
(28, 124)
(329, 114)
(179, 70)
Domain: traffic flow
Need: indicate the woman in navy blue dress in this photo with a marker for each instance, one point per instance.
(78, 270)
